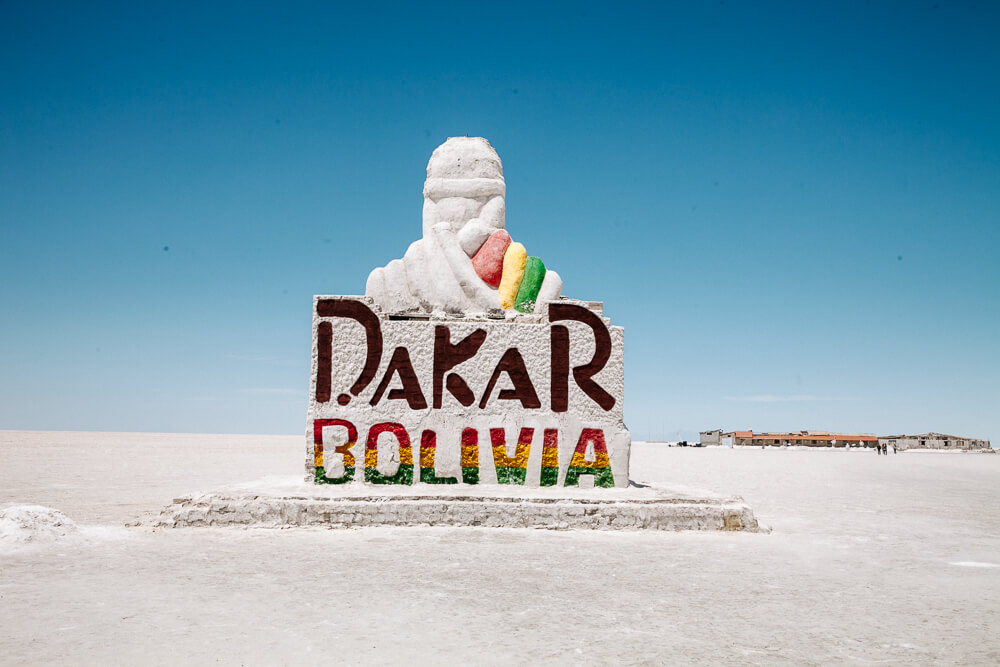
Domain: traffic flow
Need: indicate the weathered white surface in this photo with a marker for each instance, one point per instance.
(33, 523)
(291, 503)
(463, 205)
(530, 336)
(867, 564)
(551, 290)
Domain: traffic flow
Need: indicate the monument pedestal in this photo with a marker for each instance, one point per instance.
(278, 502)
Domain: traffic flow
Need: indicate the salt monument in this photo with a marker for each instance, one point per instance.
(463, 389)
(464, 357)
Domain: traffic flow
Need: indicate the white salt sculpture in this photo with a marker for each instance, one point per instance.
(463, 205)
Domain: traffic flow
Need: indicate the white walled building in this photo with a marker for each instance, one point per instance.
(933, 441)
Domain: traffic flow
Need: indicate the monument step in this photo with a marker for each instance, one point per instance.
(280, 503)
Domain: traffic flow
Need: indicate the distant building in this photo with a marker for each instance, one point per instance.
(933, 441)
(707, 438)
(801, 438)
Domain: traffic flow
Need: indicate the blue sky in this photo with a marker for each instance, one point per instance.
(793, 208)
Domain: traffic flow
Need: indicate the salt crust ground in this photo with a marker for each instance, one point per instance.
(888, 560)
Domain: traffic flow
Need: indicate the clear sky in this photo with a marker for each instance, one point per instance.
(792, 208)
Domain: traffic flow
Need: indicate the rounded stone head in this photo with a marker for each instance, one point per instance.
(465, 189)
(465, 157)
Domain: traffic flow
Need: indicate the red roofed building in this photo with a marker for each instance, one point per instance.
(803, 438)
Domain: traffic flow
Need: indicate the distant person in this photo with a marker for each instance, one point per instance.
(878, 450)
(893, 448)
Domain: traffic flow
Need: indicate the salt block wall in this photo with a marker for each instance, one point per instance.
(535, 401)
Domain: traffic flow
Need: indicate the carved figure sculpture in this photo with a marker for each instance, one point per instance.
(466, 262)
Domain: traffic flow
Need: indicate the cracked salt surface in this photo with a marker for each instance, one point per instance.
(856, 571)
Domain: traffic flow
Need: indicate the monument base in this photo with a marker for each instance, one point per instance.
(289, 502)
